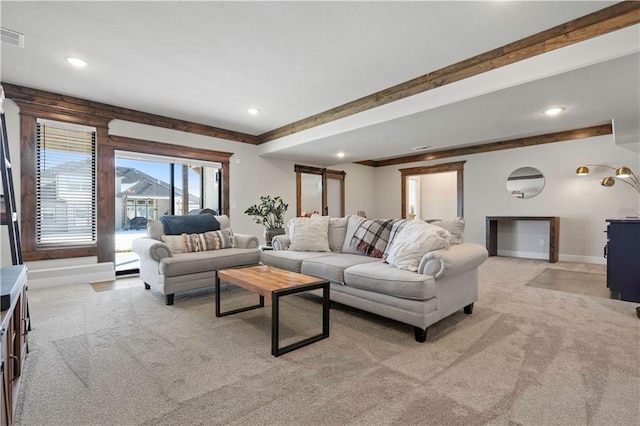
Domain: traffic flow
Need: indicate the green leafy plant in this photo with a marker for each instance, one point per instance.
(269, 212)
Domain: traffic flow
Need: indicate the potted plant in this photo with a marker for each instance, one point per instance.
(270, 214)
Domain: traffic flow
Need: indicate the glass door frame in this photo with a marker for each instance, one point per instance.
(106, 180)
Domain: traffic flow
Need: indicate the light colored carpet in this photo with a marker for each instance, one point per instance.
(589, 283)
(527, 356)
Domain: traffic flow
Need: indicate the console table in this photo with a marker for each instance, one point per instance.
(554, 233)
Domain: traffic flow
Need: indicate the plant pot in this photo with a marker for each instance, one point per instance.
(269, 233)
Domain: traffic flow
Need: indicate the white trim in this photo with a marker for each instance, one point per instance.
(582, 259)
(71, 275)
(562, 257)
(524, 254)
(65, 125)
(165, 159)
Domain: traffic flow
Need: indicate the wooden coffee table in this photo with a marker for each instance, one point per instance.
(273, 283)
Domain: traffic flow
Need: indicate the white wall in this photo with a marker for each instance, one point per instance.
(439, 195)
(360, 188)
(581, 202)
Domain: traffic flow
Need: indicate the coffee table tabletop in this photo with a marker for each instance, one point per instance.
(264, 280)
(272, 283)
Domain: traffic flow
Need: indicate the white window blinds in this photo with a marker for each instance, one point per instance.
(65, 184)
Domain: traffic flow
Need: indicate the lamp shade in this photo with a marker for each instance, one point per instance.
(623, 172)
(608, 181)
(582, 171)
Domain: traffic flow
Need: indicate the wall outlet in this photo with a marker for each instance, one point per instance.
(542, 241)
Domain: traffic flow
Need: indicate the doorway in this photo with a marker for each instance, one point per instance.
(433, 192)
(319, 191)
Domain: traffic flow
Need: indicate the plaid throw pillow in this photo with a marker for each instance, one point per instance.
(212, 240)
(372, 236)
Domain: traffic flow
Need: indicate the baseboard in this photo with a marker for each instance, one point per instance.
(524, 254)
(596, 260)
(70, 275)
(561, 257)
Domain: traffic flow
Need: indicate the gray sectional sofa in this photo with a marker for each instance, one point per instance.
(446, 280)
(171, 263)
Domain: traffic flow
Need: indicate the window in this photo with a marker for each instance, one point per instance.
(65, 184)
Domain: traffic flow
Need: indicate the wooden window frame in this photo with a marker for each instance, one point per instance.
(29, 113)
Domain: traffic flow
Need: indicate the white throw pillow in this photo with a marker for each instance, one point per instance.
(412, 242)
(337, 231)
(352, 225)
(454, 226)
(309, 234)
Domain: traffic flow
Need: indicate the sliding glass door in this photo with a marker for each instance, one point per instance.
(150, 186)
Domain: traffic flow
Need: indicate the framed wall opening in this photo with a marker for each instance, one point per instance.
(442, 183)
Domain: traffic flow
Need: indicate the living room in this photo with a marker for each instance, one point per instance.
(582, 204)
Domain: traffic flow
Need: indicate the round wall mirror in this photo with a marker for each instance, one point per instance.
(525, 182)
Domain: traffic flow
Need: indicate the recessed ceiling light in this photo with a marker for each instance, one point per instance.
(553, 111)
(77, 62)
(340, 155)
(253, 111)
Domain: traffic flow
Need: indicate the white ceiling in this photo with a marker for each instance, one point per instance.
(208, 62)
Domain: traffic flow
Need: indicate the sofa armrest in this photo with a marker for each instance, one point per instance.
(456, 259)
(148, 248)
(246, 241)
(281, 242)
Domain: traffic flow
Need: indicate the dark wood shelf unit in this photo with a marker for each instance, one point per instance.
(14, 326)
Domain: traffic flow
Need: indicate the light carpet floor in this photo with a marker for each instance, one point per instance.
(526, 356)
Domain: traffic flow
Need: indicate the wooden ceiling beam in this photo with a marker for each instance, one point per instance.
(610, 19)
(585, 132)
(73, 104)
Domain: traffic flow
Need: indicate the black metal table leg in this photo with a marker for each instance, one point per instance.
(219, 313)
(275, 317)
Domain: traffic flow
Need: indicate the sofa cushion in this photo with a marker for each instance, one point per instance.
(352, 225)
(332, 267)
(203, 261)
(189, 224)
(455, 228)
(309, 234)
(379, 277)
(212, 240)
(289, 259)
(372, 236)
(414, 240)
(337, 232)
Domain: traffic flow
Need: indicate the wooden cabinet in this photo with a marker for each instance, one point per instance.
(14, 325)
(623, 258)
